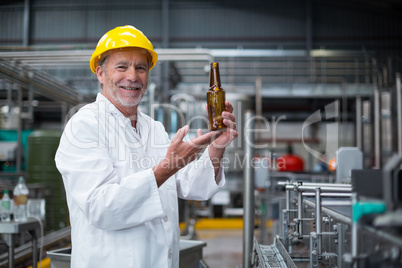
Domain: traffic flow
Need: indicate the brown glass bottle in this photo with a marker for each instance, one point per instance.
(215, 99)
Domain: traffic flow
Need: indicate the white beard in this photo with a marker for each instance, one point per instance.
(127, 102)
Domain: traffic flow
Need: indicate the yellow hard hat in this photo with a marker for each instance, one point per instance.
(120, 37)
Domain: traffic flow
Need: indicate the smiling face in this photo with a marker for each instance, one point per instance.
(124, 76)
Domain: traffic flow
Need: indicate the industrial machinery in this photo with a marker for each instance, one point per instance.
(352, 217)
(355, 224)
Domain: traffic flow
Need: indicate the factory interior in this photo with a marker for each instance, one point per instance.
(312, 179)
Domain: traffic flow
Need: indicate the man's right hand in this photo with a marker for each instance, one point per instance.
(180, 153)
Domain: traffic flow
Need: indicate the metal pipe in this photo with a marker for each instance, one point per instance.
(9, 97)
(399, 108)
(329, 194)
(30, 103)
(258, 104)
(330, 212)
(82, 56)
(367, 134)
(377, 128)
(11, 247)
(165, 43)
(354, 235)
(300, 214)
(309, 39)
(285, 222)
(151, 100)
(19, 139)
(303, 188)
(344, 111)
(339, 185)
(165, 24)
(341, 237)
(284, 230)
(27, 13)
(384, 235)
(318, 217)
(359, 142)
(248, 196)
(64, 112)
(43, 85)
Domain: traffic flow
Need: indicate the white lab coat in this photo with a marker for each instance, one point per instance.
(118, 215)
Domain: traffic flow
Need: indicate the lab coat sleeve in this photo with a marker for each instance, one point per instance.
(107, 201)
(197, 180)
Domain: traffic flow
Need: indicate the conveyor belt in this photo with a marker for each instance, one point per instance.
(272, 256)
(339, 208)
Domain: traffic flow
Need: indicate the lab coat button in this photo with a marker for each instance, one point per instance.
(165, 219)
(170, 255)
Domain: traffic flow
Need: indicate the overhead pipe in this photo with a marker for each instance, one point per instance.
(168, 54)
(41, 84)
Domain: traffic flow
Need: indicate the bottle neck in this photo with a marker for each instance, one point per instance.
(214, 78)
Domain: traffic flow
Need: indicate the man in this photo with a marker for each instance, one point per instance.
(121, 172)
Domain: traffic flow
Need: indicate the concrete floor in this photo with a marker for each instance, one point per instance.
(224, 247)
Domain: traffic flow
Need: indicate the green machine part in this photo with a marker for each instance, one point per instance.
(12, 135)
(45, 179)
(360, 209)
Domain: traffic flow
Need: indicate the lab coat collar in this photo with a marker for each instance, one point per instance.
(110, 108)
(143, 122)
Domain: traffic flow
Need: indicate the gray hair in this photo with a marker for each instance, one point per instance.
(102, 63)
